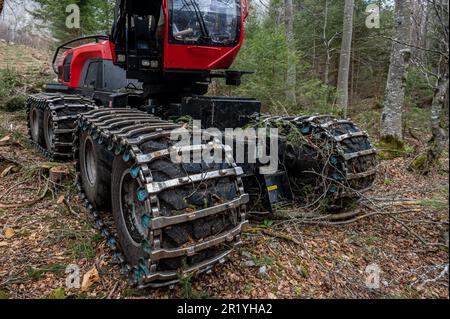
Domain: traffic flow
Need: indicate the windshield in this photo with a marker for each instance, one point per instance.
(205, 22)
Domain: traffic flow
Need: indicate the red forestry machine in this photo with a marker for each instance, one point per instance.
(113, 110)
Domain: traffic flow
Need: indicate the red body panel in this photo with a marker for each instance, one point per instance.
(194, 57)
(176, 56)
(102, 50)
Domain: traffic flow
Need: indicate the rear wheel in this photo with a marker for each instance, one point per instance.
(329, 161)
(35, 125)
(51, 122)
(128, 212)
(95, 172)
(48, 130)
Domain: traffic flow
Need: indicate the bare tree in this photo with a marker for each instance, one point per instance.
(327, 44)
(344, 64)
(440, 12)
(291, 74)
(391, 118)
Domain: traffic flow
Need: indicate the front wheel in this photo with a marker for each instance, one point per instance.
(95, 171)
(129, 213)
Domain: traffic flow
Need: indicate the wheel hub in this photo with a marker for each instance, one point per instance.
(49, 134)
(133, 211)
(90, 162)
(34, 123)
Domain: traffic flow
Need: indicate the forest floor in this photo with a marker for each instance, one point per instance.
(44, 229)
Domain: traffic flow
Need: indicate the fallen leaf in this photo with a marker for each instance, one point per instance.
(60, 200)
(90, 278)
(9, 233)
(271, 296)
(3, 244)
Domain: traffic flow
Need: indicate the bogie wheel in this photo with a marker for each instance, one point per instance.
(330, 161)
(52, 120)
(95, 171)
(131, 214)
(128, 212)
(35, 123)
(169, 216)
(48, 130)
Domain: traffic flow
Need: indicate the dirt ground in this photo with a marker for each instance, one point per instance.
(404, 239)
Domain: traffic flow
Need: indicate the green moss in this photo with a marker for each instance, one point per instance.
(4, 295)
(420, 163)
(438, 201)
(37, 273)
(15, 104)
(8, 80)
(57, 294)
(390, 147)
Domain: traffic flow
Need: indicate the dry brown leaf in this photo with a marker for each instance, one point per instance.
(90, 278)
(60, 200)
(9, 233)
(3, 244)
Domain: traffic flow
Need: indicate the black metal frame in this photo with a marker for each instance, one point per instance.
(66, 46)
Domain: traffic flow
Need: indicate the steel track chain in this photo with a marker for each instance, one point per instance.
(113, 128)
(324, 124)
(56, 103)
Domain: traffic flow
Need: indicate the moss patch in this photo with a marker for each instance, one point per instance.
(15, 103)
(390, 148)
(57, 294)
(4, 295)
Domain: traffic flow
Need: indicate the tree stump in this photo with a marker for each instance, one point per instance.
(59, 174)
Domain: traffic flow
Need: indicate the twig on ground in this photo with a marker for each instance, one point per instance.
(274, 234)
(30, 203)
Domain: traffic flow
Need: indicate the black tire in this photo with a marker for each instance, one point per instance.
(329, 161)
(155, 253)
(172, 201)
(35, 123)
(47, 125)
(132, 248)
(95, 172)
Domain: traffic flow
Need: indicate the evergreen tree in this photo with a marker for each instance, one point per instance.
(95, 17)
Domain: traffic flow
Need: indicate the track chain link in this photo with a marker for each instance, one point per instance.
(56, 104)
(113, 128)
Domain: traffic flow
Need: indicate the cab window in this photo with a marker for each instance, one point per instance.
(92, 75)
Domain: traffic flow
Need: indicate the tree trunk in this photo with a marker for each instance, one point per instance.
(439, 135)
(291, 74)
(391, 119)
(344, 64)
(327, 47)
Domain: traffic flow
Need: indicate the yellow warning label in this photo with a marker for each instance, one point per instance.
(272, 188)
